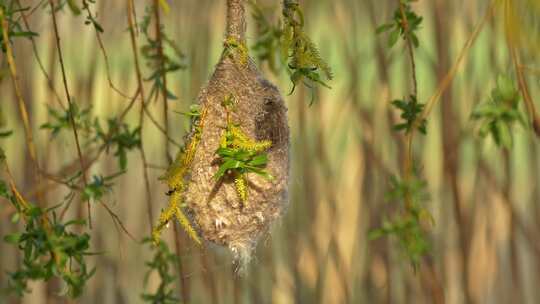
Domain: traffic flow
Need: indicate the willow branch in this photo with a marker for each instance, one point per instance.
(117, 220)
(38, 59)
(445, 83)
(410, 50)
(447, 80)
(160, 128)
(103, 52)
(408, 165)
(70, 106)
(131, 25)
(159, 41)
(20, 100)
(533, 116)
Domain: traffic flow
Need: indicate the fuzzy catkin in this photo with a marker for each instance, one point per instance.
(216, 211)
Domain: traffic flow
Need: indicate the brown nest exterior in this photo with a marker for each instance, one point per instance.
(214, 207)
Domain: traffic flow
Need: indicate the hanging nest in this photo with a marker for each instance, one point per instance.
(230, 183)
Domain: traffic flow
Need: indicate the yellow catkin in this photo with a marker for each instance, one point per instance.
(241, 188)
(175, 181)
(258, 146)
(223, 140)
(184, 221)
(235, 47)
(242, 141)
(238, 134)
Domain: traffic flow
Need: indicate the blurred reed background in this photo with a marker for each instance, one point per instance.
(485, 202)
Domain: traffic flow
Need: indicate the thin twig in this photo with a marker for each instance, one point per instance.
(410, 49)
(38, 59)
(408, 160)
(105, 56)
(66, 170)
(534, 118)
(117, 220)
(184, 283)
(131, 25)
(159, 127)
(164, 91)
(70, 106)
(445, 83)
(32, 11)
(130, 105)
(447, 80)
(530, 69)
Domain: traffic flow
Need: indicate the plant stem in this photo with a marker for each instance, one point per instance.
(408, 160)
(410, 50)
(443, 85)
(70, 106)
(131, 25)
(22, 105)
(102, 48)
(447, 80)
(183, 280)
(408, 167)
(533, 116)
(50, 82)
(451, 144)
(159, 41)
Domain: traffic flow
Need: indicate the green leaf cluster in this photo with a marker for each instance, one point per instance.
(49, 249)
(238, 154)
(164, 263)
(98, 187)
(61, 120)
(173, 58)
(240, 161)
(304, 60)
(397, 26)
(500, 112)
(15, 29)
(408, 227)
(117, 135)
(267, 42)
(410, 111)
(91, 19)
(408, 231)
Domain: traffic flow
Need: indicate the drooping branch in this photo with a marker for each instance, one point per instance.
(70, 106)
(134, 47)
(4, 26)
(159, 40)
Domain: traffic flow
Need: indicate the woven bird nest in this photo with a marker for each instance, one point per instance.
(241, 112)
